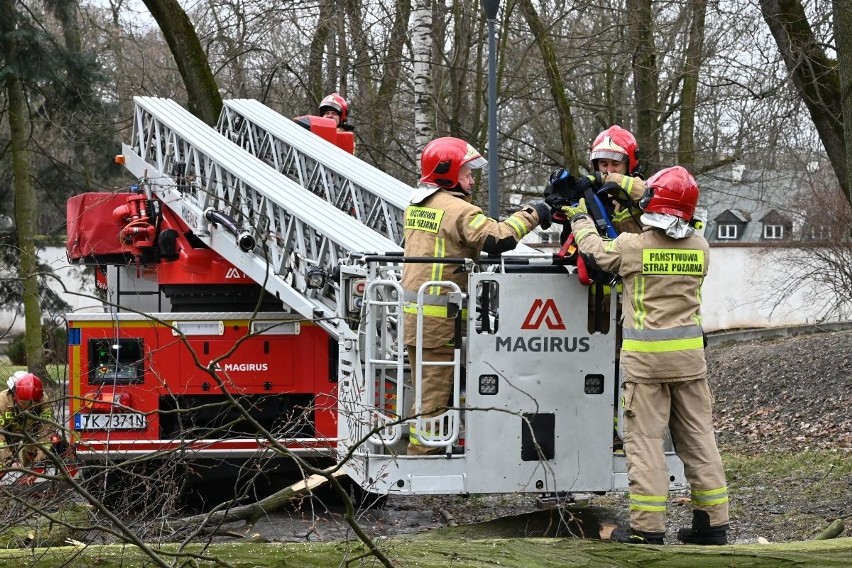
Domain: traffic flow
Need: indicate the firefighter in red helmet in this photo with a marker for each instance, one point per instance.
(662, 358)
(442, 222)
(335, 107)
(26, 421)
(615, 156)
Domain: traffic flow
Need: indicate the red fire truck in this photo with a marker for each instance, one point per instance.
(189, 354)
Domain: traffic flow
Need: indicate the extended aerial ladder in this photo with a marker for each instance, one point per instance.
(373, 197)
(286, 239)
(370, 195)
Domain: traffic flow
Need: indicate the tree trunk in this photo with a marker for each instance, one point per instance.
(557, 87)
(640, 26)
(25, 199)
(689, 90)
(814, 75)
(424, 94)
(843, 36)
(204, 99)
(383, 108)
(316, 51)
(458, 70)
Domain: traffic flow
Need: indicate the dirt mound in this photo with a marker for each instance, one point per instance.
(791, 393)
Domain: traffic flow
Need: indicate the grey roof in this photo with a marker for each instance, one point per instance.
(752, 199)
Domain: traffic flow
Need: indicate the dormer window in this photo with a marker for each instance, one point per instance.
(773, 232)
(727, 232)
(817, 233)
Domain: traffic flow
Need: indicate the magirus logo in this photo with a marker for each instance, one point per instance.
(543, 312)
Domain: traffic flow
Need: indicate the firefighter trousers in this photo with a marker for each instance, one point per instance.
(435, 393)
(24, 454)
(685, 409)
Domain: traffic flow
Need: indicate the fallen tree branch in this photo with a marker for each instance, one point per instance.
(254, 511)
(833, 530)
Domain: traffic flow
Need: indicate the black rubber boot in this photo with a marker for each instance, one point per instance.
(701, 532)
(632, 536)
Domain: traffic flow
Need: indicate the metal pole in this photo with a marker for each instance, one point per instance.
(493, 190)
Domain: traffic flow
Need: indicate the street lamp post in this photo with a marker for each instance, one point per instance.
(491, 7)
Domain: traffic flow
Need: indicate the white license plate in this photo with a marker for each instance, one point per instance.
(117, 421)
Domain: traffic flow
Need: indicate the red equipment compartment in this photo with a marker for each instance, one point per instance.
(93, 231)
(291, 368)
(259, 364)
(326, 128)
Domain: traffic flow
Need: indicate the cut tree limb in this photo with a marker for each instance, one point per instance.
(251, 513)
(831, 531)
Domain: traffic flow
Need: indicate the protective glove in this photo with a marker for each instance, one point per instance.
(616, 192)
(581, 184)
(564, 190)
(572, 211)
(552, 199)
(557, 188)
(543, 210)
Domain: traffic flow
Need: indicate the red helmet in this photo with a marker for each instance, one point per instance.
(442, 159)
(616, 143)
(26, 386)
(672, 191)
(336, 103)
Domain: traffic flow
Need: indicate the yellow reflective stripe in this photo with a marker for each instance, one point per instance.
(437, 267)
(478, 221)
(412, 434)
(627, 183)
(607, 290)
(583, 233)
(621, 215)
(639, 311)
(652, 503)
(709, 497)
(430, 311)
(518, 226)
(696, 317)
(663, 346)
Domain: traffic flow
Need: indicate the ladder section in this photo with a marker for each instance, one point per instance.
(299, 239)
(350, 184)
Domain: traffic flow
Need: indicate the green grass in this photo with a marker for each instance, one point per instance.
(827, 465)
(55, 373)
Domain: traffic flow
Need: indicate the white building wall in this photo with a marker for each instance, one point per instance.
(70, 283)
(742, 291)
